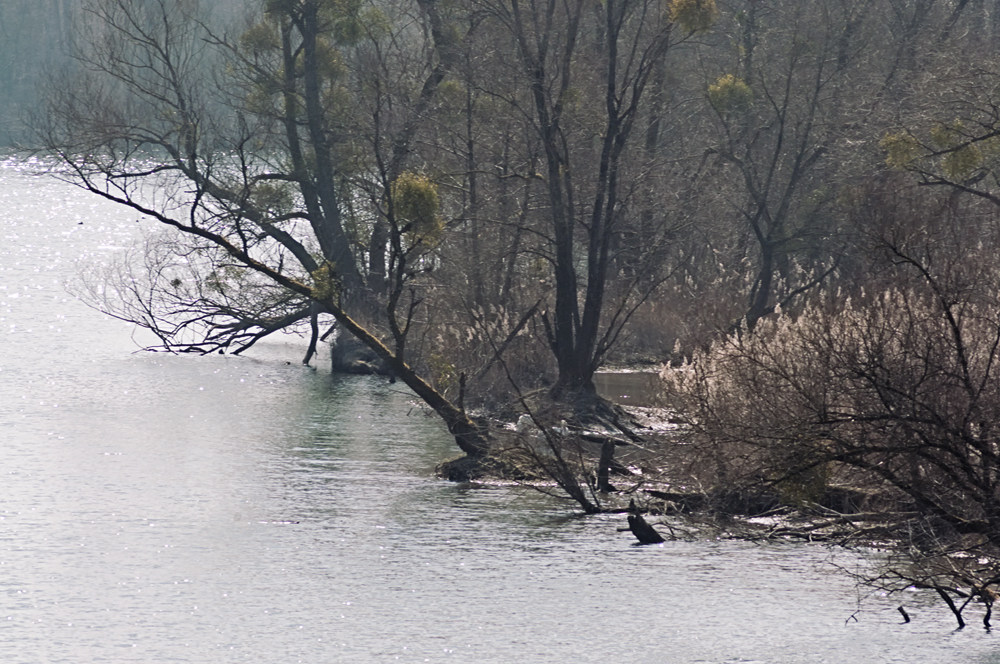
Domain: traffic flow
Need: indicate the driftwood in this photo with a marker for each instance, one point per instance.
(838, 501)
(600, 438)
(683, 502)
(644, 532)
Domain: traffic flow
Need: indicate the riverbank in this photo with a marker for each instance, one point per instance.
(668, 484)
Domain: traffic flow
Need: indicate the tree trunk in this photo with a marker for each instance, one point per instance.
(604, 466)
(470, 437)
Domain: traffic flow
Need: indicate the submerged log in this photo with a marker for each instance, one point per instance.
(643, 532)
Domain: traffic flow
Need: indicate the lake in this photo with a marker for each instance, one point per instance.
(158, 508)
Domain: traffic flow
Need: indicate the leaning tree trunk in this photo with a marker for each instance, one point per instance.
(470, 437)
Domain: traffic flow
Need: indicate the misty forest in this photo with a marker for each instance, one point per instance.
(790, 209)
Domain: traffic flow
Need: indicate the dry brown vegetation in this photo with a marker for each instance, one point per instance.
(892, 390)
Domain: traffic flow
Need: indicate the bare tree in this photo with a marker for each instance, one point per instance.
(785, 101)
(565, 51)
(252, 187)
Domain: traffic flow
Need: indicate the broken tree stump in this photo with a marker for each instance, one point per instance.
(643, 532)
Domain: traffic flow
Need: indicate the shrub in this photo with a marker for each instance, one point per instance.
(417, 205)
(730, 94)
(694, 15)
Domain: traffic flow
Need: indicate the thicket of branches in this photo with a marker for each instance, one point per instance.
(564, 185)
(891, 389)
(884, 381)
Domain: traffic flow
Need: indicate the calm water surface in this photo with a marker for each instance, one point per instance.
(246, 509)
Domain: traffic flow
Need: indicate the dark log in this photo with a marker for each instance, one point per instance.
(644, 532)
(592, 437)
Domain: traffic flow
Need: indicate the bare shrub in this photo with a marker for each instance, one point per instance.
(895, 390)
